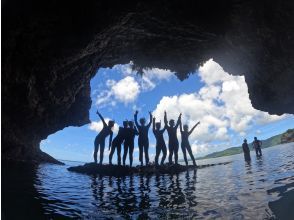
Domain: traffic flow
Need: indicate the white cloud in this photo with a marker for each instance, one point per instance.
(126, 90)
(222, 104)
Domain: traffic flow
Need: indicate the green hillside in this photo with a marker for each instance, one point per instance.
(285, 137)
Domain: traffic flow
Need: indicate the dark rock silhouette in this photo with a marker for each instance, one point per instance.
(185, 145)
(117, 142)
(160, 143)
(246, 151)
(52, 49)
(257, 146)
(116, 170)
(100, 138)
(173, 143)
(143, 140)
(129, 142)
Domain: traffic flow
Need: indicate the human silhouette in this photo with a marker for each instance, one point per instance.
(143, 140)
(100, 138)
(160, 143)
(185, 145)
(257, 146)
(246, 151)
(117, 142)
(173, 143)
(131, 132)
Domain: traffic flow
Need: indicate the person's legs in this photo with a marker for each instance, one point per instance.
(146, 148)
(176, 149)
(118, 154)
(102, 145)
(256, 151)
(131, 153)
(191, 154)
(163, 154)
(96, 146)
(157, 153)
(184, 153)
(113, 146)
(171, 152)
(126, 146)
(141, 153)
(259, 150)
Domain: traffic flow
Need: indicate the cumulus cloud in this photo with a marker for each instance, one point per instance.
(221, 105)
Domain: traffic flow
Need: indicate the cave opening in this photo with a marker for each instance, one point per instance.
(210, 95)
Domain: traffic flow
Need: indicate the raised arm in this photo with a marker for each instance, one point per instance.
(136, 130)
(102, 119)
(153, 124)
(192, 129)
(179, 121)
(165, 119)
(110, 140)
(150, 120)
(181, 127)
(136, 119)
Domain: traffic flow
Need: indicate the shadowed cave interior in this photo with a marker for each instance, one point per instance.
(51, 50)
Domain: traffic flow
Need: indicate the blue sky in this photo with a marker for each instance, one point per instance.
(218, 100)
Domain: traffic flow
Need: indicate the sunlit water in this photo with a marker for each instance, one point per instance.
(234, 191)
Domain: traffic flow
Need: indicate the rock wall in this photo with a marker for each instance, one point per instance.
(51, 50)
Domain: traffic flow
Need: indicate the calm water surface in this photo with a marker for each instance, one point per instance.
(260, 190)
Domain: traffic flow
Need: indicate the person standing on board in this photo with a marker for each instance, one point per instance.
(117, 142)
(185, 145)
(100, 138)
(257, 146)
(143, 140)
(173, 143)
(246, 151)
(129, 142)
(160, 143)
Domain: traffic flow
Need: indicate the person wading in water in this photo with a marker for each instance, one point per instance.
(100, 138)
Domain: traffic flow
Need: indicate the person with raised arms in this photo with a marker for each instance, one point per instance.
(129, 142)
(143, 140)
(100, 138)
(173, 143)
(160, 143)
(185, 145)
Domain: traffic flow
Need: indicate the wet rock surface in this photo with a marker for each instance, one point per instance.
(117, 170)
(52, 49)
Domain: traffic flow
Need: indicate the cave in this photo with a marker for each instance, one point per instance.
(52, 49)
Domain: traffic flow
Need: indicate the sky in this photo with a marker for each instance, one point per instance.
(218, 100)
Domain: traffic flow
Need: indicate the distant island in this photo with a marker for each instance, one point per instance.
(283, 138)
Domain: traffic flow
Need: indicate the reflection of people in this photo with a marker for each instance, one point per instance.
(117, 141)
(100, 138)
(173, 143)
(257, 146)
(185, 142)
(160, 144)
(129, 142)
(246, 151)
(143, 140)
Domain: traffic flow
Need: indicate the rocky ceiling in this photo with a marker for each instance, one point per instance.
(51, 50)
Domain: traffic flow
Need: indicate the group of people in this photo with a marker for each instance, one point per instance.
(256, 145)
(126, 135)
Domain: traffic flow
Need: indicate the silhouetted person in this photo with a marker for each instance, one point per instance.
(131, 132)
(117, 142)
(143, 140)
(160, 144)
(173, 143)
(257, 146)
(185, 145)
(246, 151)
(100, 138)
